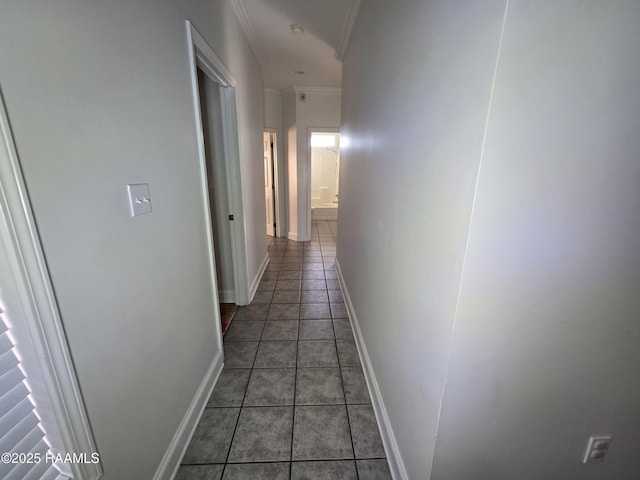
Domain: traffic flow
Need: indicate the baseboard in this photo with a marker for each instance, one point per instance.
(258, 277)
(227, 296)
(396, 465)
(178, 446)
(292, 236)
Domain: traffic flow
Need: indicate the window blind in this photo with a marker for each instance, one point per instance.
(23, 445)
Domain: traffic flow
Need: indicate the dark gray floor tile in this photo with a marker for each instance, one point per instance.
(332, 284)
(267, 285)
(373, 470)
(342, 328)
(271, 387)
(284, 311)
(313, 275)
(330, 275)
(230, 388)
(316, 330)
(276, 355)
(321, 433)
(239, 354)
(355, 386)
(321, 353)
(319, 386)
(257, 471)
(286, 296)
(211, 440)
(335, 296)
(348, 353)
(297, 266)
(309, 311)
(271, 274)
(364, 432)
(338, 310)
(314, 284)
(255, 311)
(263, 434)
(313, 267)
(328, 470)
(262, 296)
(280, 330)
(246, 331)
(199, 472)
(314, 296)
(288, 285)
(290, 275)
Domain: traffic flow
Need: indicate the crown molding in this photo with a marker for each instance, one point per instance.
(240, 9)
(349, 21)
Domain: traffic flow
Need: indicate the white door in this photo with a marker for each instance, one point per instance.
(269, 185)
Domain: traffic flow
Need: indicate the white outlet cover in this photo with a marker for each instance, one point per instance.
(139, 198)
(597, 447)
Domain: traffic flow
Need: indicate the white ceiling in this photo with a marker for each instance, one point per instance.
(327, 24)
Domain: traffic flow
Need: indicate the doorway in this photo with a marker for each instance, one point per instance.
(270, 181)
(325, 174)
(214, 98)
(217, 189)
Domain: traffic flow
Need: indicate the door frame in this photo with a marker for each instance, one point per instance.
(202, 56)
(280, 230)
(310, 130)
(41, 314)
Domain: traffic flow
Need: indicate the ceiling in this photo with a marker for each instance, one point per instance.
(318, 52)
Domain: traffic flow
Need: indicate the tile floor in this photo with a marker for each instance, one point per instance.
(291, 401)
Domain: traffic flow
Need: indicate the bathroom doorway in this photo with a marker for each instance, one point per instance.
(325, 174)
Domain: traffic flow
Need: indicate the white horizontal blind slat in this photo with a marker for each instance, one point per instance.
(20, 431)
(16, 439)
(11, 418)
(8, 361)
(25, 470)
(12, 397)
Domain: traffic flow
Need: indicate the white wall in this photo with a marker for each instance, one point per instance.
(541, 324)
(413, 126)
(291, 160)
(321, 109)
(545, 351)
(99, 96)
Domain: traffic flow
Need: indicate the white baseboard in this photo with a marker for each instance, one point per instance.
(227, 296)
(178, 446)
(396, 465)
(258, 277)
(292, 236)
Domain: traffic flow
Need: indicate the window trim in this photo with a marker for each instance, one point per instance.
(32, 279)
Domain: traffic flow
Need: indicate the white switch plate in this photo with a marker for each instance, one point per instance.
(596, 448)
(139, 198)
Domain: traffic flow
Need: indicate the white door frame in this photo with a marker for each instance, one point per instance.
(202, 56)
(280, 230)
(20, 240)
(310, 130)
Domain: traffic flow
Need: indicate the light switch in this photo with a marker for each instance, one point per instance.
(139, 198)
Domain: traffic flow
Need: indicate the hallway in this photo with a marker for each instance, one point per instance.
(291, 401)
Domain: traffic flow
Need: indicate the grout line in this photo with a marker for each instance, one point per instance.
(294, 405)
(295, 382)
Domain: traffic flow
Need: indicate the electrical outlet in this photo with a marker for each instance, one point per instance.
(596, 448)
